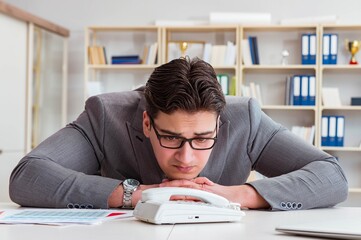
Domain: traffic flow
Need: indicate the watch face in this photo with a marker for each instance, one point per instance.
(131, 182)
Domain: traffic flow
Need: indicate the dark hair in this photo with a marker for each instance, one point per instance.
(183, 84)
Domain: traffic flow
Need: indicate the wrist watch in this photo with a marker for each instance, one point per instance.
(129, 186)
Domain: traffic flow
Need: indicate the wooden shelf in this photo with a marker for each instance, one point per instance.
(341, 67)
(280, 28)
(348, 108)
(354, 190)
(280, 67)
(283, 107)
(123, 28)
(343, 149)
(121, 66)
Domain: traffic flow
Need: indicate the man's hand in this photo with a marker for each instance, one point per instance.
(116, 198)
(245, 195)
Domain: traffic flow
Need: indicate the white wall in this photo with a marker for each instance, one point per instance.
(75, 15)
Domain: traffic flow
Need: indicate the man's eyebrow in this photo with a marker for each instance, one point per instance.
(179, 134)
(169, 132)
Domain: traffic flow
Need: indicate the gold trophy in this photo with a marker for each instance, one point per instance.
(183, 47)
(353, 47)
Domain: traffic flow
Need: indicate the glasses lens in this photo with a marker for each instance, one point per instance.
(202, 143)
(170, 142)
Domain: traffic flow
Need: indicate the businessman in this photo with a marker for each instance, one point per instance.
(178, 131)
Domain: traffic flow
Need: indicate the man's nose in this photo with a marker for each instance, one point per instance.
(186, 153)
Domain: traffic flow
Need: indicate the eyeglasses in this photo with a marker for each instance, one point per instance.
(175, 142)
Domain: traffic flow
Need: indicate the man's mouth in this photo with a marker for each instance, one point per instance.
(184, 169)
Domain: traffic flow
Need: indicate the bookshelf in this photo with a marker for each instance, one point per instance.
(346, 78)
(270, 74)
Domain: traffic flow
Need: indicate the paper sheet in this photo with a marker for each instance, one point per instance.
(60, 216)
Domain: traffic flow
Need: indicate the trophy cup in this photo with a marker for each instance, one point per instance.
(183, 48)
(285, 55)
(352, 47)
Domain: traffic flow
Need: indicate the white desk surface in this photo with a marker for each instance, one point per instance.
(255, 225)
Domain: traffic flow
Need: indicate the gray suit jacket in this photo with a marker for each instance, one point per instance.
(84, 162)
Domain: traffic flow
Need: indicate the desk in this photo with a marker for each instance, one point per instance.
(255, 225)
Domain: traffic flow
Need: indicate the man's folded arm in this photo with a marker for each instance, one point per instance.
(63, 171)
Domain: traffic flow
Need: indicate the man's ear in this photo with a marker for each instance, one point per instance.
(146, 124)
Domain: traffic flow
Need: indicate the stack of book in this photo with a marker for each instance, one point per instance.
(253, 90)
(332, 131)
(216, 55)
(306, 133)
(126, 59)
(97, 55)
(150, 54)
(227, 83)
(221, 55)
(301, 90)
(250, 55)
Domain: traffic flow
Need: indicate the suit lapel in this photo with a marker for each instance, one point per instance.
(217, 160)
(148, 168)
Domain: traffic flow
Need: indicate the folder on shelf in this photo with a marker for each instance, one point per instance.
(152, 54)
(304, 90)
(333, 48)
(256, 53)
(311, 90)
(296, 90)
(232, 86)
(312, 48)
(326, 49)
(332, 131)
(218, 55)
(305, 49)
(331, 97)
(324, 131)
(207, 50)
(340, 131)
(254, 49)
(289, 91)
(223, 80)
(246, 52)
(230, 55)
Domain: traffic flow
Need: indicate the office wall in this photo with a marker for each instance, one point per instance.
(75, 15)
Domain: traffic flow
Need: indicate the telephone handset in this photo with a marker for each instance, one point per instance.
(155, 207)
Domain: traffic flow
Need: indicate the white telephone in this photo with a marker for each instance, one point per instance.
(155, 207)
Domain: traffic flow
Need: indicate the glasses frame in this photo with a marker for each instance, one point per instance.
(184, 140)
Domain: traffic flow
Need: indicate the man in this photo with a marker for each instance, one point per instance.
(179, 131)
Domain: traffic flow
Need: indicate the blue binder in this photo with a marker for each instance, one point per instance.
(340, 131)
(305, 49)
(326, 49)
(324, 131)
(296, 82)
(311, 90)
(304, 90)
(253, 46)
(332, 124)
(333, 48)
(312, 48)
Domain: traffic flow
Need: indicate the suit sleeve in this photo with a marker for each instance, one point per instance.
(299, 175)
(64, 169)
